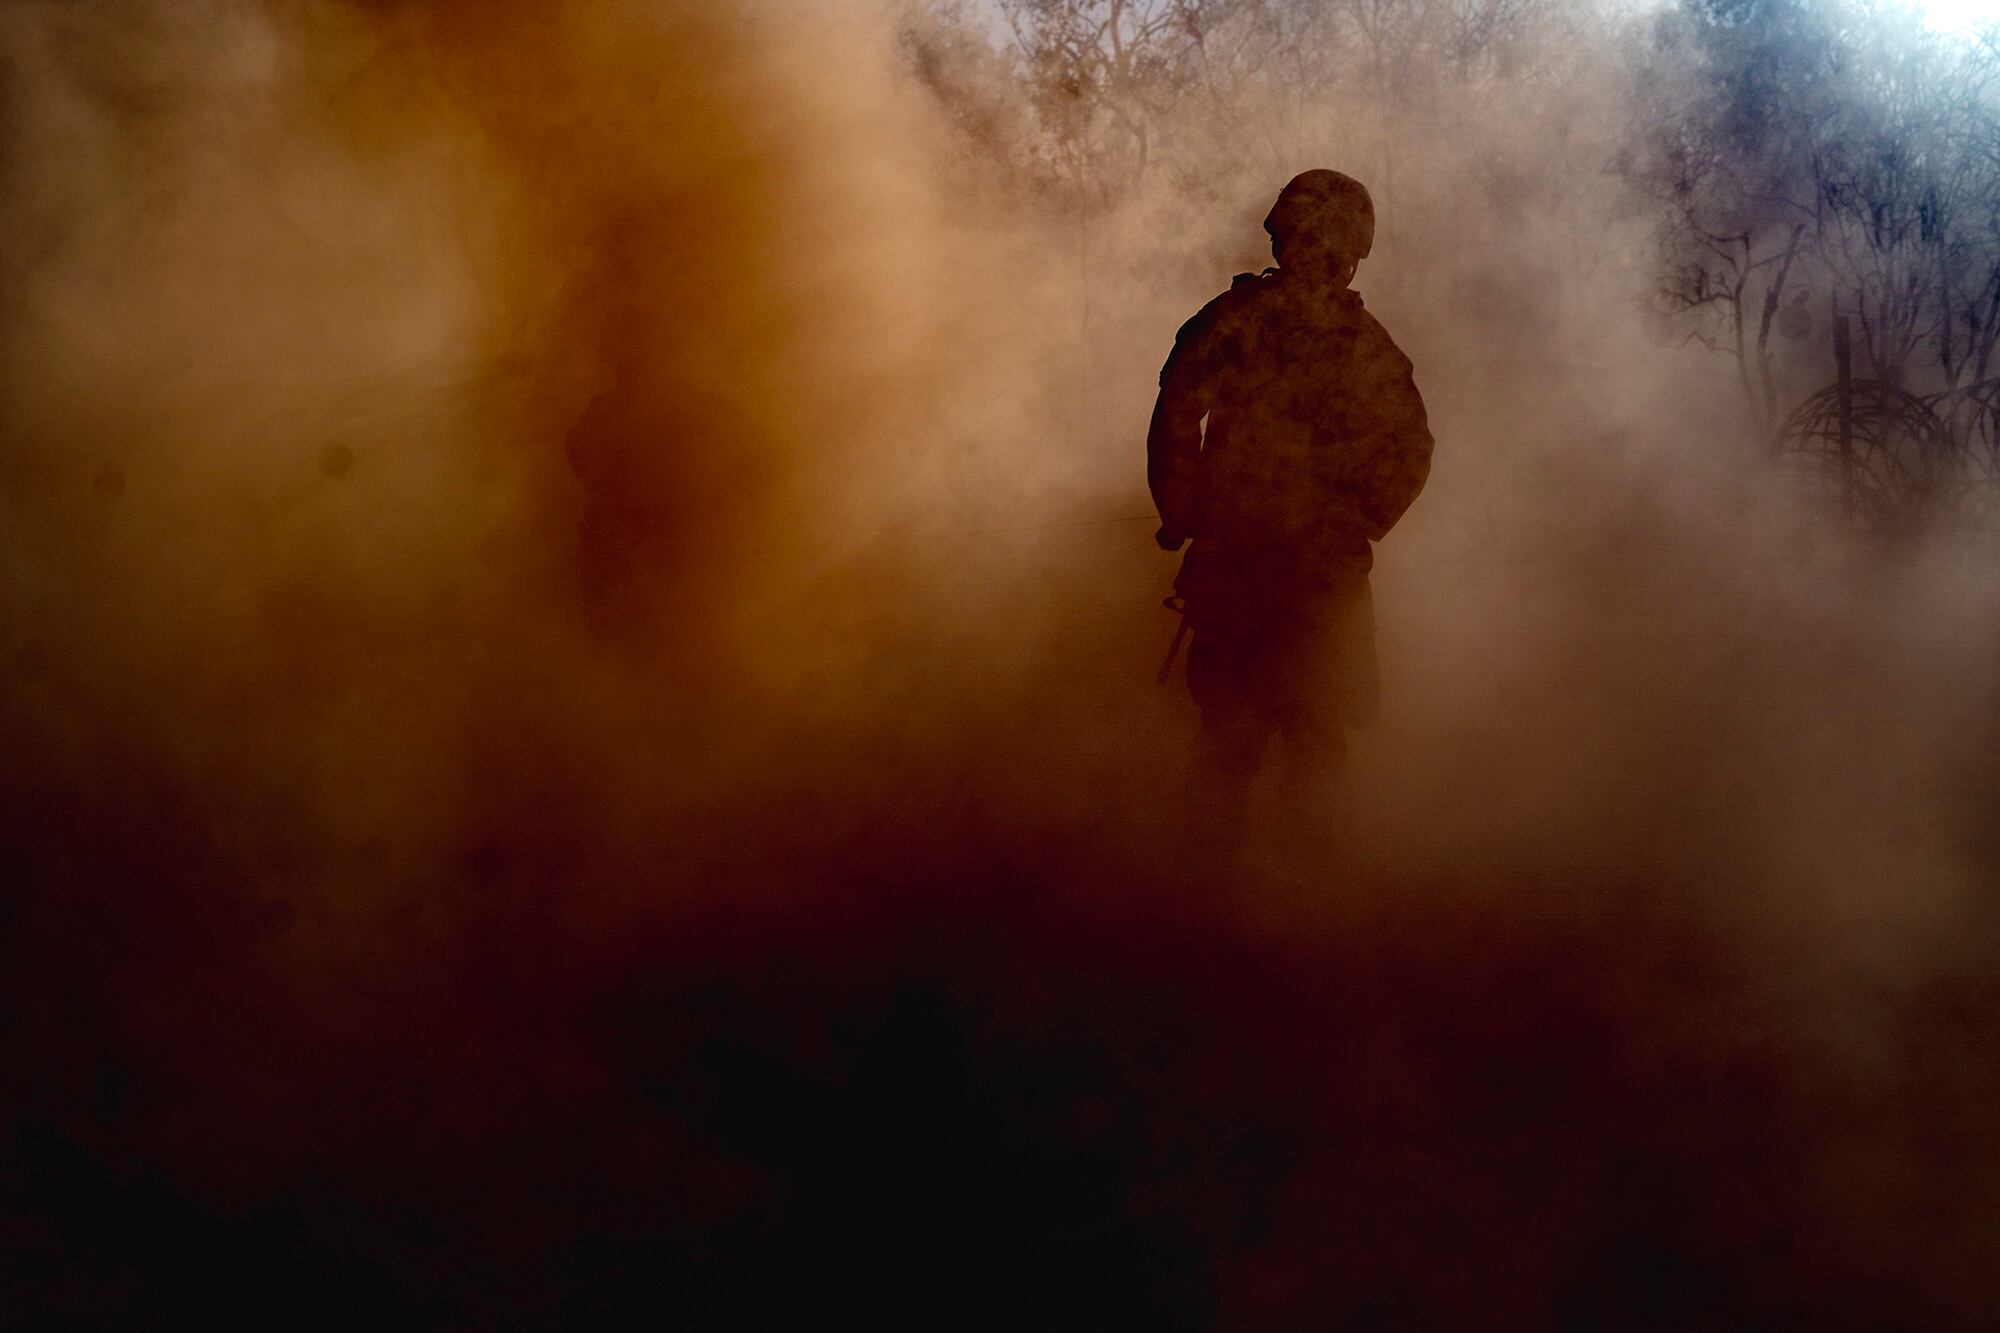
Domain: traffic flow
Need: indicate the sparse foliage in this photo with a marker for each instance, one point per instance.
(1120, 90)
(1797, 150)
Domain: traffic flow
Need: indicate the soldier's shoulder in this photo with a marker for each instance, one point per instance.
(1375, 336)
(1245, 290)
(1248, 290)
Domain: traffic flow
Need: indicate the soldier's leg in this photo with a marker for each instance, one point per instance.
(1216, 812)
(1309, 800)
(1227, 752)
(1335, 676)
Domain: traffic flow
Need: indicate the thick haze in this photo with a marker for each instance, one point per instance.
(487, 488)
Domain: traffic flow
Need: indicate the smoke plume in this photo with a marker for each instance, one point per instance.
(578, 624)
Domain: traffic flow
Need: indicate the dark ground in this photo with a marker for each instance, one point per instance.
(972, 1084)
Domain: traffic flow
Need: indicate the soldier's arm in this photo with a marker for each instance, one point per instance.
(1173, 441)
(1395, 453)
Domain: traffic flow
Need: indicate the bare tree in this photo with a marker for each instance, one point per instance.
(1103, 74)
(1904, 201)
(1727, 94)
(1792, 147)
(1124, 88)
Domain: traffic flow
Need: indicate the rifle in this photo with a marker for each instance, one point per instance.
(1174, 602)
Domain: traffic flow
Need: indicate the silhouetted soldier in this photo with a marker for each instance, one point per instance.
(1316, 443)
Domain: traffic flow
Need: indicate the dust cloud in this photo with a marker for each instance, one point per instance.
(578, 627)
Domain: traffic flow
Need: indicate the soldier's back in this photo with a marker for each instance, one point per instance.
(1295, 363)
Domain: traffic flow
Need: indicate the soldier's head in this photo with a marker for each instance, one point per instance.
(1323, 224)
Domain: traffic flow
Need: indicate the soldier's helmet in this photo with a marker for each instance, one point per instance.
(1325, 211)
